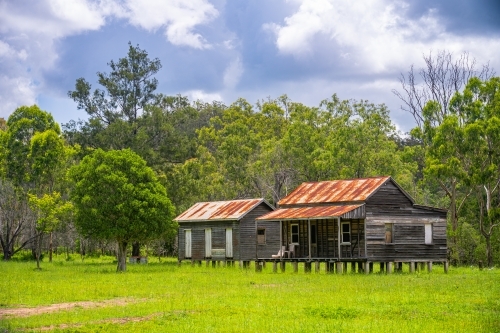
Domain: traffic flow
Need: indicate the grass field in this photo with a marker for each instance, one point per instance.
(88, 296)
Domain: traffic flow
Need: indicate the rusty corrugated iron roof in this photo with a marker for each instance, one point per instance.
(334, 191)
(303, 213)
(219, 210)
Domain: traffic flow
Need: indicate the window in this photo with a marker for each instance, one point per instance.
(313, 233)
(428, 233)
(187, 244)
(208, 243)
(261, 236)
(229, 242)
(346, 232)
(388, 233)
(295, 233)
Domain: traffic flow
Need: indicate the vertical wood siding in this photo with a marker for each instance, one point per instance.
(390, 205)
(244, 236)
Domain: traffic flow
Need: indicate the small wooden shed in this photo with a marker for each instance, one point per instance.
(227, 231)
(359, 220)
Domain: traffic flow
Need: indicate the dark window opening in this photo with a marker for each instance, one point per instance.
(261, 236)
(313, 234)
(295, 233)
(346, 232)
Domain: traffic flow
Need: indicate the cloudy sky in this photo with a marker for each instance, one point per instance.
(225, 49)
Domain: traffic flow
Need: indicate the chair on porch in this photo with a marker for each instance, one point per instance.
(282, 253)
(291, 251)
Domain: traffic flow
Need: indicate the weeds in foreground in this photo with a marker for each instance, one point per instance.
(162, 297)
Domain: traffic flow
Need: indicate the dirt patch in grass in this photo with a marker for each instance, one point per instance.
(118, 321)
(27, 312)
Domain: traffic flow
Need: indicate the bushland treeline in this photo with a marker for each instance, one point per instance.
(212, 151)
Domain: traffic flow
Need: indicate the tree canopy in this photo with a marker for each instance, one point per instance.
(118, 197)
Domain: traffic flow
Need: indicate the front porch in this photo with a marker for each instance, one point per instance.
(322, 240)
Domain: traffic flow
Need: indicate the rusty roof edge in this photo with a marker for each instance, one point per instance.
(309, 218)
(442, 210)
(324, 204)
(262, 200)
(204, 220)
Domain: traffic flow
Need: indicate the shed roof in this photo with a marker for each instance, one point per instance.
(335, 191)
(220, 210)
(303, 213)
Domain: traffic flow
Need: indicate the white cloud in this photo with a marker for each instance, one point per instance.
(200, 95)
(377, 35)
(232, 73)
(178, 17)
(29, 31)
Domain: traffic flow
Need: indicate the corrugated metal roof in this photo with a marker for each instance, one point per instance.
(219, 210)
(299, 213)
(351, 190)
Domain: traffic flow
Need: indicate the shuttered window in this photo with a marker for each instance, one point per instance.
(428, 233)
(229, 242)
(187, 248)
(208, 243)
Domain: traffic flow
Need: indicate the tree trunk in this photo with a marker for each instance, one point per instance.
(489, 256)
(122, 256)
(38, 250)
(50, 248)
(136, 249)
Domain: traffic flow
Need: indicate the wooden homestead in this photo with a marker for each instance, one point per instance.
(359, 221)
(227, 231)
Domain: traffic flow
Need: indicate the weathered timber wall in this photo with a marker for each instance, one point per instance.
(198, 238)
(390, 205)
(248, 234)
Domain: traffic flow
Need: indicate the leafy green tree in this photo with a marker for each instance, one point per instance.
(24, 123)
(30, 161)
(480, 106)
(128, 88)
(51, 211)
(118, 197)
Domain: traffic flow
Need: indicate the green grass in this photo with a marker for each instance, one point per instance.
(162, 297)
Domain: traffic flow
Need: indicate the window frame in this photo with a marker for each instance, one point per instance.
(259, 239)
(342, 233)
(391, 232)
(428, 234)
(292, 233)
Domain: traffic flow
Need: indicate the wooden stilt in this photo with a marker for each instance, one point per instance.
(353, 267)
(360, 267)
(339, 267)
(317, 267)
(282, 266)
(307, 267)
(258, 266)
(370, 268)
(382, 267)
(412, 267)
(446, 267)
(429, 266)
(295, 266)
(389, 267)
(275, 267)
